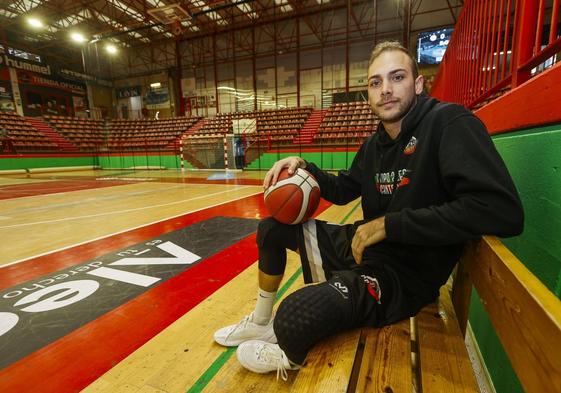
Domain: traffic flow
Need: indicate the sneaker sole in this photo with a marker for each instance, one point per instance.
(248, 366)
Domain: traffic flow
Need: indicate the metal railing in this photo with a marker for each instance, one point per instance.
(498, 45)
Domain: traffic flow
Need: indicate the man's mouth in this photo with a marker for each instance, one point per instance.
(387, 103)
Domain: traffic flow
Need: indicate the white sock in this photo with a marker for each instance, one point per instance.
(264, 307)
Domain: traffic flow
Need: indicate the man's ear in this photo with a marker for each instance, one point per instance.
(419, 84)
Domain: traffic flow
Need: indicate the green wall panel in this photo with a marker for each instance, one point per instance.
(104, 161)
(325, 160)
(533, 158)
(496, 360)
(173, 161)
(140, 160)
(45, 162)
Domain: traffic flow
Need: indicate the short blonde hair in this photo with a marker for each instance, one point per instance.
(393, 45)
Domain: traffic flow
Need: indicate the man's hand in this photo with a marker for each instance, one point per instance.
(366, 235)
(292, 163)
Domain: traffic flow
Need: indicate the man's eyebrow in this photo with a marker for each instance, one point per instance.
(389, 73)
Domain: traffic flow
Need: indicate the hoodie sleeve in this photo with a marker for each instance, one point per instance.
(346, 186)
(482, 198)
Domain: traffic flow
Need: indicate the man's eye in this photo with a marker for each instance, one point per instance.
(375, 83)
(398, 77)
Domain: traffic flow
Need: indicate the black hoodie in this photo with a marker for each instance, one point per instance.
(440, 183)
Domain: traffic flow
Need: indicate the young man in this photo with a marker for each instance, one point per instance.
(430, 179)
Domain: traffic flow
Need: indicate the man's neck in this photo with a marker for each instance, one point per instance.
(393, 129)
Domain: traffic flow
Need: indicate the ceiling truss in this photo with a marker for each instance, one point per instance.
(219, 30)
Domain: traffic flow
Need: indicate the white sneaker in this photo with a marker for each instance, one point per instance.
(262, 357)
(245, 330)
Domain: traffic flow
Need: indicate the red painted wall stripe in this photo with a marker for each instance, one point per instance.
(534, 103)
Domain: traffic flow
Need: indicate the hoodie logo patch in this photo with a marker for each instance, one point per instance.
(411, 146)
(373, 287)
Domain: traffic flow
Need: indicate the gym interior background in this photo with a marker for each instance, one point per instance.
(163, 85)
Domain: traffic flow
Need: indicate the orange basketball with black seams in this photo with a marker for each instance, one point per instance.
(294, 199)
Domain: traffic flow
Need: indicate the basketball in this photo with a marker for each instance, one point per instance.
(294, 198)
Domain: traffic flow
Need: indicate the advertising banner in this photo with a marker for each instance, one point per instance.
(157, 98)
(129, 91)
(6, 98)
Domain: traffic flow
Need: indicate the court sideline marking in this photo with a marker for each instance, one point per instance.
(215, 367)
(88, 200)
(125, 230)
(123, 211)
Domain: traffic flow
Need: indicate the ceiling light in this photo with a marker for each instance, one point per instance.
(78, 37)
(155, 85)
(34, 22)
(110, 48)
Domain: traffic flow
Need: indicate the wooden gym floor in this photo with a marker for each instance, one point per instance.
(114, 281)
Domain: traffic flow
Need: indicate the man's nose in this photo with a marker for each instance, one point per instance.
(386, 88)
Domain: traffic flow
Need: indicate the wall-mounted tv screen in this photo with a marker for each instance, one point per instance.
(431, 45)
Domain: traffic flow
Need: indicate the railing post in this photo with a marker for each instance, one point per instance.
(524, 39)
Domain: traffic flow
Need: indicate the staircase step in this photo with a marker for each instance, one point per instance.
(191, 130)
(310, 128)
(52, 135)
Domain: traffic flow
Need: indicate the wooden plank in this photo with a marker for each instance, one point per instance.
(461, 295)
(233, 378)
(386, 361)
(444, 361)
(525, 314)
(329, 365)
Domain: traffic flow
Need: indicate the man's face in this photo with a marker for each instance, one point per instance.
(391, 86)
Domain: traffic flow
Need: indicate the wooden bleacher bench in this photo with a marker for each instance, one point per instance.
(427, 353)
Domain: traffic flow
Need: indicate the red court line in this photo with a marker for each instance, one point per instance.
(76, 360)
(53, 187)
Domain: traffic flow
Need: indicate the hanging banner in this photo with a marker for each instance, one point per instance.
(15, 91)
(80, 106)
(30, 78)
(6, 98)
(129, 91)
(79, 77)
(157, 98)
(23, 65)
